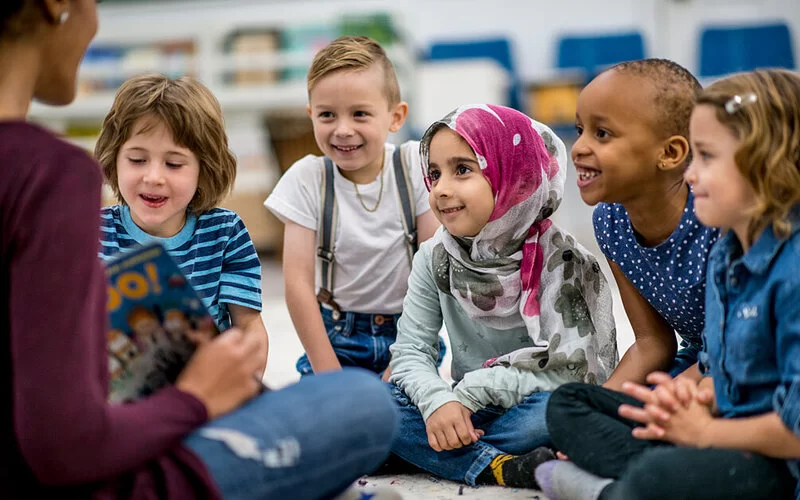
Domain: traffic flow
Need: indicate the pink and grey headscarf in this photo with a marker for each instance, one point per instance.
(521, 269)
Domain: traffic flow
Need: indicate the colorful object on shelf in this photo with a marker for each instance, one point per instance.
(554, 102)
(305, 40)
(100, 58)
(377, 26)
(106, 67)
(179, 58)
(248, 48)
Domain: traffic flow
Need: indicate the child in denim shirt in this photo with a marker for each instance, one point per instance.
(736, 433)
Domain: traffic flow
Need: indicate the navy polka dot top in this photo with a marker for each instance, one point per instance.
(671, 276)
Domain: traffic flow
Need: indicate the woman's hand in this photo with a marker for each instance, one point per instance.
(224, 372)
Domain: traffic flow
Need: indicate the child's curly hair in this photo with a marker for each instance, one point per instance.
(767, 122)
(194, 118)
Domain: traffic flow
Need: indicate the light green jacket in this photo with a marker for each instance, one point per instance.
(415, 352)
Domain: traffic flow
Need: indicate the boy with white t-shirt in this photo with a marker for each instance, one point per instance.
(348, 212)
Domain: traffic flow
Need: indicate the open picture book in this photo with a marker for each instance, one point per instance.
(156, 320)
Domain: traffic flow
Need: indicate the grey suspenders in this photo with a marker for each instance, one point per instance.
(327, 224)
(405, 192)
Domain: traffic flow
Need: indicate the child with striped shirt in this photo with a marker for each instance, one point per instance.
(164, 151)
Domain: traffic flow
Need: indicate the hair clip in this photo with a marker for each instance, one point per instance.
(737, 102)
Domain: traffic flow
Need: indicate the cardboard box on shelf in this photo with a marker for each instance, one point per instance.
(246, 43)
(257, 173)
(292, 138)
(554, 102)
(265, 229)
(256, 170)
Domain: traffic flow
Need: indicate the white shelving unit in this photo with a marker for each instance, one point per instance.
(281, 96)
(244, 106)
(210, 63)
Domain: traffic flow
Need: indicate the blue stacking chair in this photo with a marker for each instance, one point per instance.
(498, 49)
(725, 50)
(592, 54)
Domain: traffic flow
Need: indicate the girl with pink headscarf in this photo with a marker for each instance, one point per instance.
(526, 307)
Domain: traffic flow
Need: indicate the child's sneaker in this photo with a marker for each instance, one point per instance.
(379, 493)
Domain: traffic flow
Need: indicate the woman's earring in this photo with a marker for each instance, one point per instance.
(63, 17)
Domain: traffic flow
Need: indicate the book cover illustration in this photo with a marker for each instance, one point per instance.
(156, 320)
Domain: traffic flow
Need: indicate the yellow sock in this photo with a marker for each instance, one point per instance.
(497, 467)
(515, 471)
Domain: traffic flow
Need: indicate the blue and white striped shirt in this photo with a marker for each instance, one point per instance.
(213, 250)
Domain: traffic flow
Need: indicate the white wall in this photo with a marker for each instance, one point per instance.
(532, 25)
(670, 27)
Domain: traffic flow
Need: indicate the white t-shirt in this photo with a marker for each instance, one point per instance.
(371, 266)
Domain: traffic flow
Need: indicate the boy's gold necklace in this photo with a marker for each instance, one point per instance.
(380, 195)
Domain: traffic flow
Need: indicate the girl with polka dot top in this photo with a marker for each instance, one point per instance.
(630, 156)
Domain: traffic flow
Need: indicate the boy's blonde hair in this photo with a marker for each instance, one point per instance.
(194, 118)
(354, 53)
(768, 127)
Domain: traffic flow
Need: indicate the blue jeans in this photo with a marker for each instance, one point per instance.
(310, 440)
(360, 339)
(515, 431)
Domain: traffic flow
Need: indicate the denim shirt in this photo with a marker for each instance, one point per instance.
(752, 331)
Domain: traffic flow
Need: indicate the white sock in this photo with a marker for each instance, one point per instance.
(562, 480)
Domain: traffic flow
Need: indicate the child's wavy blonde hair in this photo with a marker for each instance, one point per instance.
(194, 118)
(762, 109)
(354, 53)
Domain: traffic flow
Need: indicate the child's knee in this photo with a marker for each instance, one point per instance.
(373, 394)
(565, 397)
(364, 381)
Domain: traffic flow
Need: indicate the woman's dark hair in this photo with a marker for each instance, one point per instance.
(9, 8)
(13, 18)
